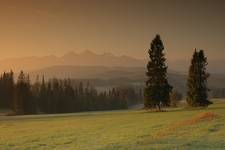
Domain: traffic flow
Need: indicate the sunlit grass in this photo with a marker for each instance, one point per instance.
(176, 128)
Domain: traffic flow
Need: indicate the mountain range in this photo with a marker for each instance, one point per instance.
(113, 70)
(85, 58)
(89, 58)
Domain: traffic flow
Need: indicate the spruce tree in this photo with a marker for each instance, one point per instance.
(197, 81)
(23, 102)
(43, 94)
(6, 90)
(157, 90)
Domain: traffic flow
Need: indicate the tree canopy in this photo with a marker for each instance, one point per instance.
(197, 81)
(157, 91)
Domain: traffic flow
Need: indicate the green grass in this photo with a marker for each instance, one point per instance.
(127, 130)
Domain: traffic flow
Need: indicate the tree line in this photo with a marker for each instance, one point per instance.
(158, 91)
(60, 96)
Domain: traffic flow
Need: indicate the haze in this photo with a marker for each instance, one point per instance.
(45, 27)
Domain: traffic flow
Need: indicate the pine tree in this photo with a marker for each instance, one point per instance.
(6, 90)
(157, 91)
(23, 102)
(197, 81)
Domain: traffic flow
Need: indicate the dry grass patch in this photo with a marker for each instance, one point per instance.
(199, 118)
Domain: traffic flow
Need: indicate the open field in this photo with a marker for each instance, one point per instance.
(132, 129)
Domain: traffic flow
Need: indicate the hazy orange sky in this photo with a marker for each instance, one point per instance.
(44, 27)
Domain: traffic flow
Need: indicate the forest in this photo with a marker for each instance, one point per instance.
(60, 96)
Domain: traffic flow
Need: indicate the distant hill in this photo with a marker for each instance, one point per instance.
(85, 58)
(91, 72)
(119, 76)
(214, 66)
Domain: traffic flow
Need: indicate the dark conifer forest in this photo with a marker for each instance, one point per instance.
(60, 96)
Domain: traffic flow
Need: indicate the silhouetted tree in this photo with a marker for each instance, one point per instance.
(42, 102)
(157, 87)
(6, 90)
(23, 102)
(197, 81)
(35, 89)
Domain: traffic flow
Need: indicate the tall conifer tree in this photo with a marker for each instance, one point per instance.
(23, 103)
(157, 91)
(197, 81)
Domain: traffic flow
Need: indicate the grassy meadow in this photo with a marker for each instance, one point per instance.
(178, 128)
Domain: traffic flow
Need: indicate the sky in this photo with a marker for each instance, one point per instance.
(46, 27)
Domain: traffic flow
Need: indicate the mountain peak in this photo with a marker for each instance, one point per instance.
(87, 52)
